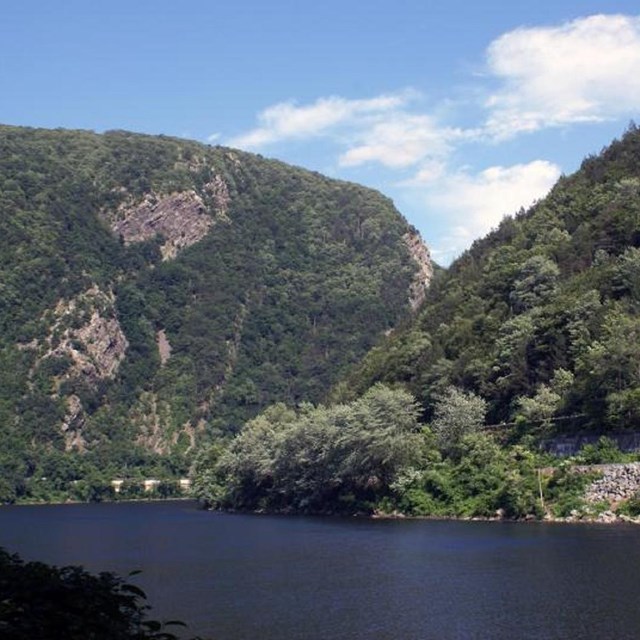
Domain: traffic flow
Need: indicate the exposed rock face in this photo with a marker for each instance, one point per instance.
(87, 332)
(218, 190)
(149, 417)
(164, 347)
(72, 425)
(87, 335)
(180, 218)
(159, 431)
(420, 254)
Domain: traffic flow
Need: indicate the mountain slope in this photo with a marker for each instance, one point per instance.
(156, 290)
(541, 317)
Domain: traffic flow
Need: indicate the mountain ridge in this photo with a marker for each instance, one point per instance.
(158, 291)
(536, 297)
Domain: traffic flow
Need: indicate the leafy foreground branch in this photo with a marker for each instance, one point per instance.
(43, 602)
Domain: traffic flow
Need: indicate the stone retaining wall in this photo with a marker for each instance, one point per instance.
(618, 482)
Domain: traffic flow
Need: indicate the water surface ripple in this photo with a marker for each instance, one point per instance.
(241, 577)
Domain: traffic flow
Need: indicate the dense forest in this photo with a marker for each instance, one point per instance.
(170, 308)
(533, 333)
(157, 293)
(541, 317)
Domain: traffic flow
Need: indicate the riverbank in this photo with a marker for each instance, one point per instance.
(40, 503)
(607, 517)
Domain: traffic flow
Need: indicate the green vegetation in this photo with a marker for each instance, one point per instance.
(293, 377)
(49, 603)
(373, 456)
(565, 490)
(339, 459)
(532, 333)
(540, 319)
(631, 507)
(297, 279)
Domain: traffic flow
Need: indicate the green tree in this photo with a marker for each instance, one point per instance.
(536, 283)
(319, 459)
(456, 414)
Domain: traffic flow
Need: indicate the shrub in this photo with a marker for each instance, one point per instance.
(631, 507)
(43, 602)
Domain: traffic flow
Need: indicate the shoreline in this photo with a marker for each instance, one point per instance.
(609, 518)
(58, 503)
(615, 520)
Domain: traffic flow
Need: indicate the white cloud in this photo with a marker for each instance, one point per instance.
(288, 121)
(213, 137)
(581, 71)
(401, 140)
(430, 171)
(585, 70)
(474, 204)
(374, 130)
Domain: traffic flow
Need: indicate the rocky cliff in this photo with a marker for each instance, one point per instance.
(157, 291)
(420, 255)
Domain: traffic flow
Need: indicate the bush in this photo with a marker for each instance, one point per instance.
(43, 602)
(631, 507)
(604, 451)
(565, 491)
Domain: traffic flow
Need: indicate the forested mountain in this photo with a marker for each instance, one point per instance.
(156, 292)
(541, 317)
(532, 333)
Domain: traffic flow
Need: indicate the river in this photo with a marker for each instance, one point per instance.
(243, 577)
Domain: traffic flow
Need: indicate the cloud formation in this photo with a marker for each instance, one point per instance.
(582, 71)
(401, 140)
(585, 70)
(289, 121)
(476, 203)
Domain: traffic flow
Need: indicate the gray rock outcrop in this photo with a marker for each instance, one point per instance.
(421, 256)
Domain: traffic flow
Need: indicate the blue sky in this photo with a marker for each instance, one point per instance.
(461, 112)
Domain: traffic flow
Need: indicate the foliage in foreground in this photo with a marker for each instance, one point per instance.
(43, 602)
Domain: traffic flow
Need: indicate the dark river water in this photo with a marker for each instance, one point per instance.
(235, 577)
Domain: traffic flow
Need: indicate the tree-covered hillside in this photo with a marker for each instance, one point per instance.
(541, 317)
(157, 291)
(535, 331)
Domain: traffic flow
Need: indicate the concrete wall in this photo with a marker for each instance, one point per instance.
(570, 445)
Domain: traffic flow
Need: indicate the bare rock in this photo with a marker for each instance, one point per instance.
(159, 429)
(164, 347)
(86, 335)
(73, 424)
(420, 254)
(618, 482)
(219, 191)
(87, 332)
(607, 517)
(180, 218)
